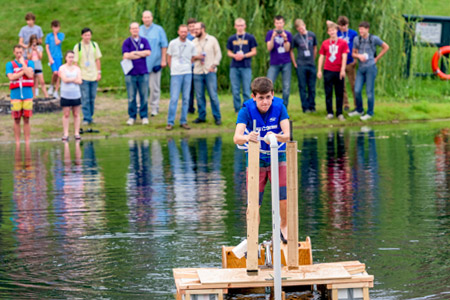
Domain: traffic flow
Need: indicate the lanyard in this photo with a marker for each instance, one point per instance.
(305, 42)
(136, 45)
(242, 40)
(87, 51)
(204, 44)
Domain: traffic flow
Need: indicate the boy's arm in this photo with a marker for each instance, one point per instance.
(384, 49)
(240, 138)
(319, 66)
(284, 137)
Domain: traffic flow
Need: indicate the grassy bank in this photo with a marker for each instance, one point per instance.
(111, 114)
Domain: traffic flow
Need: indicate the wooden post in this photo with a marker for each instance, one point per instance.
(252, 208)
(292, 204)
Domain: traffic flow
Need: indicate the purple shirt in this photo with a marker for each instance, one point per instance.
(279, 56)
(140, 64)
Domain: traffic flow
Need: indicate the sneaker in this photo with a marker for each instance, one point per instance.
(36, 92)
(85, 123)
(185, 126)
(154, 114)
(169, 127)
(365, 117)
(197, 121)
(218, 122)
(130, 121)
(341, 118)
(50, 90)
(307, 111)
(354, 113)
(330, 116)
(55, 94)
(145, 121)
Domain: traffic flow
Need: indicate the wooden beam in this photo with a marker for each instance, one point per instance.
(334, 294)
(366, 294)
(292, 204)
(252, 208)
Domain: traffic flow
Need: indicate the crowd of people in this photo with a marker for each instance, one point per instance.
(193, 58)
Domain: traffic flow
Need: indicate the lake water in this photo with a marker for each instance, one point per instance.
(110, 218)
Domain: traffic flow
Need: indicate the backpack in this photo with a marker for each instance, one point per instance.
(79, 50)
(371, 44)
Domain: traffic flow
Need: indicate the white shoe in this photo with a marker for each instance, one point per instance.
(341, 118)
(354, 113)
(85, 123)
(36, 92)
(330, 116)
(50, 90)
(365, 117)
(55, 94)
(145, 121)
(130, 121)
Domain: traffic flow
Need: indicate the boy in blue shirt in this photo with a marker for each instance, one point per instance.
(53, 43)
(271, 118)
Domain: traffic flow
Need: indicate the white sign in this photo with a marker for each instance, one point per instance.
(428, 32)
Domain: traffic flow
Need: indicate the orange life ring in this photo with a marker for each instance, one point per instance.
(435, 62)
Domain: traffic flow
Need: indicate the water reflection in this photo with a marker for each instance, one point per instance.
(108, 219)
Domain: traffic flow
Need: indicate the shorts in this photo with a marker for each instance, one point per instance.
(21, 108)
(70, 102)
(56, 64)
(37, 72)
(265, 173)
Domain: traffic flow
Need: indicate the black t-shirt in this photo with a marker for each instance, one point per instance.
(305, 48)
(243, 43)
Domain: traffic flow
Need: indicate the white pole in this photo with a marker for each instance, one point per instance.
(275, 214)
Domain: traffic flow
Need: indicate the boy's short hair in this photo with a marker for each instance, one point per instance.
(55, 23)
(261, 85)
(85, 29)
(191, 21)
(17, 46)
(278, 18)
(182, 26)
(364, 24)
(298, 23)
(30, 16)
(342, 21)
(331, 24)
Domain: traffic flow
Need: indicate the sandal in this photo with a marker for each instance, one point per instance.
(77, 137)
(65, 138)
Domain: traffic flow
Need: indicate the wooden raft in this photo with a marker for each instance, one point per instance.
(334, 276)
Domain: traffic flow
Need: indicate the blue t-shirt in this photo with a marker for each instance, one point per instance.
(368, 46)
(348, 36)
(244, 116)
(27, 92)
(244, 43)
(156, 37)
(190, 36)
(55, 50)
(140, 64)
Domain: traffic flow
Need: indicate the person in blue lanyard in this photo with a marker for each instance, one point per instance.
(271, 117)
(241, 47)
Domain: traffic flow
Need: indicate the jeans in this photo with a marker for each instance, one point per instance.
(88, 93)
(330, 80)
(210, 81)
(135, 84)
(191, 108)
(240, 76)
(306, 76)
(179, 83)
(366, 75)
(285, 70)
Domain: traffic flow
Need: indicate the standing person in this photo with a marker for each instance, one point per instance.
(28, 30)
(87, 57)
(334, 51)
(156, 36)
(137, 48)
(279, 45)
(191, 36)
(365, 51)
(34, 52)
(271, 118)
(53, 43)
(179, 57)
(20, 73)
(205, 73)
(71, 80)
(306, 44)
(241, 48)
(348, 35)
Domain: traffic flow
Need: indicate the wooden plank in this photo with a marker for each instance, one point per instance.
(253, 207)
(239, 276)
(349, 285)
(366, 294)
(334, 294)
(292, 204)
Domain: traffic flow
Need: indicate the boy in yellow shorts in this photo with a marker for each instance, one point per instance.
(20, 73)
